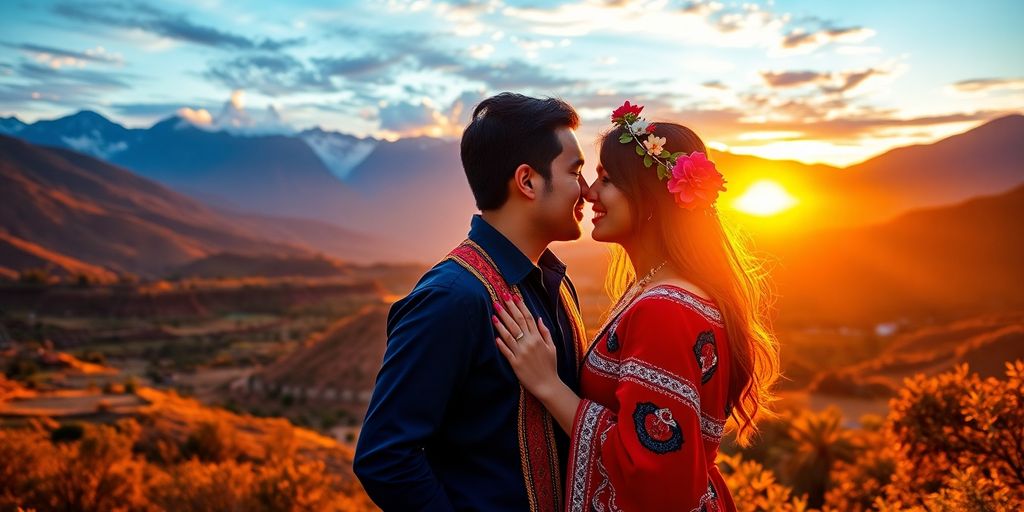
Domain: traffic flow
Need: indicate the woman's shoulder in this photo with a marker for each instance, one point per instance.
(670, 302)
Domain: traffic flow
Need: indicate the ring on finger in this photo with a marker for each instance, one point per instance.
(521, 334)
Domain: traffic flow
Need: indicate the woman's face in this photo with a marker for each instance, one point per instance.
(613, 218)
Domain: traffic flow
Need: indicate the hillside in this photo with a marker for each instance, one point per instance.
(950, 261)
(339, 366)
(412, 197)
(77, 215)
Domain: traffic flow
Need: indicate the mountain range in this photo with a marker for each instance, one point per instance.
(81, 215)
(949, 261)
(363, 198)
(410, 193)
(988, 159)
(413, 192)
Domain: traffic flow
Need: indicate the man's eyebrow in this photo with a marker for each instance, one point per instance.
(578, 163)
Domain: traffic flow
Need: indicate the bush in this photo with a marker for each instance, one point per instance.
(96, 473)
(951, 442)
(134, 466)
(957, 420)
(67, 432)
(211, 442)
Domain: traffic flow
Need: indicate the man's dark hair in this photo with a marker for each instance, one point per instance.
(509, 130)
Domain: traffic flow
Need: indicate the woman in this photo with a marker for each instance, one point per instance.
(685, 348)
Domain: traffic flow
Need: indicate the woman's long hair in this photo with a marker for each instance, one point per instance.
(707, 252)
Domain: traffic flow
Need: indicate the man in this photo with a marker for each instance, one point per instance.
(449, 427)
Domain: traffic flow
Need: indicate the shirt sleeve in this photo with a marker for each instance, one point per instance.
(431, 335)
(649, 454)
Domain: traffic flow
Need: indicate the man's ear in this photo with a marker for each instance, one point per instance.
(525, 180)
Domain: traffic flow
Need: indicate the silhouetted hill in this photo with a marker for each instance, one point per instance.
(412, 195)
(228, 265)
(338, 366)
(11, 125)
(84, 131)
(941, 262)
(17, 254)
(986, 343)
(988, 159)
(79, 207)
(419, 194)
(274, 174)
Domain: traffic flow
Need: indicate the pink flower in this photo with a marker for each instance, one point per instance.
(695, 182)
(626, 108)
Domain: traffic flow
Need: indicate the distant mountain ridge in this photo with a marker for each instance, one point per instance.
(78, 214)
(960, 259)
(413, 191)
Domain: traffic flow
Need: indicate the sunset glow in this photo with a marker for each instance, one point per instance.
(765, 198)
(815, 82)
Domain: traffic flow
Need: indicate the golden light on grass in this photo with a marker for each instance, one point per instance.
(764, 198)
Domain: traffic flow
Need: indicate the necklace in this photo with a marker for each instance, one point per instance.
(628, 297)
(650, 275)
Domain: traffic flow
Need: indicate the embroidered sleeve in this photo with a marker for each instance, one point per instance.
(649, 454)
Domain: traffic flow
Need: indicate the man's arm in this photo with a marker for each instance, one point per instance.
(431, 338)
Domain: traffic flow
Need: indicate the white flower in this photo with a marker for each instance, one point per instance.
(654, 144)
(639, 126)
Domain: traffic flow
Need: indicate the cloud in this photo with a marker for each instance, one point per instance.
(800, 40)
(854, 127)
(372, 68)
(58, 57)
(131, 15)
(499, 75)
(232, 115)
(412, 119)
(405, 117)
(275, 74)
(48, 75)
(197, 117)
(783, 79)
(829, 82)
(155, 110)
(704, 22)
(65, 86)
(481, 51)
(513, 74)
(980, 85)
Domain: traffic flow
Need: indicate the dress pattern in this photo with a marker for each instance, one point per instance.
(654, 388)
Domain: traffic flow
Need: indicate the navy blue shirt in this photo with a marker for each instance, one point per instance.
(441, 430)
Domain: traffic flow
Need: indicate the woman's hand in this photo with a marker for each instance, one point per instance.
(528, 347)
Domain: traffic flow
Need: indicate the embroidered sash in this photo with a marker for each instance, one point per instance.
(537, 451)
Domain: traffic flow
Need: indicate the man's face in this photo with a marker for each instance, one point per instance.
(560, 201)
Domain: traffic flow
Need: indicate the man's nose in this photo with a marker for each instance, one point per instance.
(584, 188)
(589, 192)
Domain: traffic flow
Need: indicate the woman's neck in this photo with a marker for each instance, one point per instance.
(643, 259)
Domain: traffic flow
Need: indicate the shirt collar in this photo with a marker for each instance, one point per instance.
(550, 262)
(511, 262)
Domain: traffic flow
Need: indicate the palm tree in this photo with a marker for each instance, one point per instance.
(819, 441)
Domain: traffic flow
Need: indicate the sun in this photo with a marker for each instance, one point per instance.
(764, 198)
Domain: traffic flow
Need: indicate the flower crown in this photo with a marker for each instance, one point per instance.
(692, 179)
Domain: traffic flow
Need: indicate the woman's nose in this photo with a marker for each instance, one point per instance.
(590, 193)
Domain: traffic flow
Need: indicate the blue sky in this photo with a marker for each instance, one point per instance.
(833, 82)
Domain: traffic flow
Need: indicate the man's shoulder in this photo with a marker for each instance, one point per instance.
(446, 294)
(452, 281)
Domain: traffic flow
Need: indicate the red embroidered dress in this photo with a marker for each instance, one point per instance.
(654, 388)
